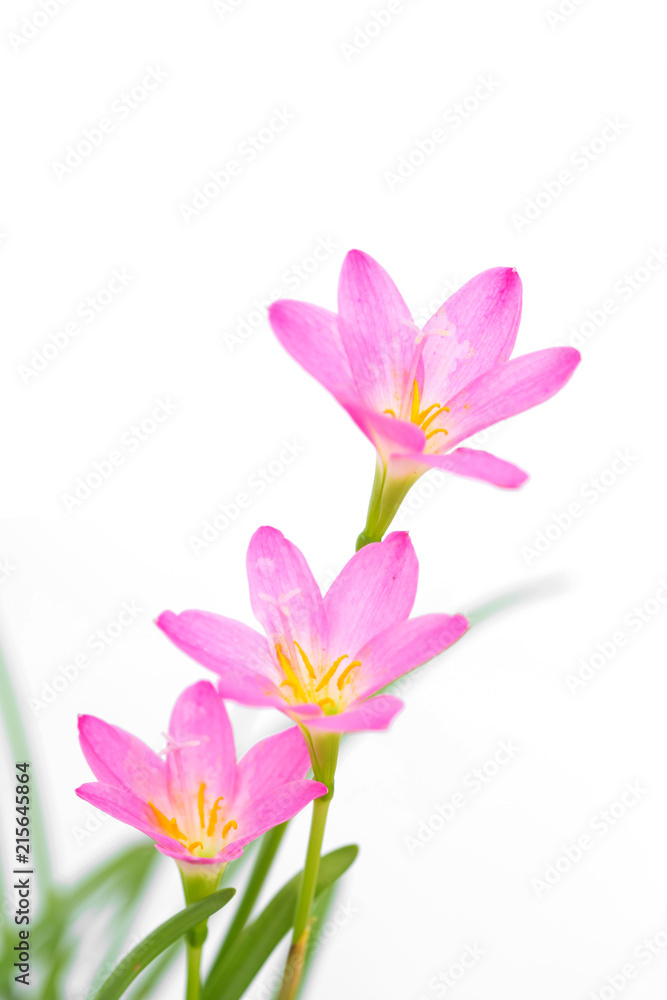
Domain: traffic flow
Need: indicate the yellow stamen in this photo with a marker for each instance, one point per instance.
(227, 828)
(326, 701)
(200, 804)
(170, 827)
(424, 413)
(213, 818)
(292, 679)
(309, 667)
(440, 430)
(350, 666)
(197, 843)
(330, 672)
(440, 409)
(389, 411)
(414, 410)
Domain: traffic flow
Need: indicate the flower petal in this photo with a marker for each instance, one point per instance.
(239, 654)
(473, 331)
(506, 390)
(269, 764)
(284, 595)
(311, 336)
(126, 807)
(278, 806)
(387, 433)
(376, 329)
(201, 750)
(375, 589)
(117, 758)
(376, 713)
(403, 647)
(466, 462)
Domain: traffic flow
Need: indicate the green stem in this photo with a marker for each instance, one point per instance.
(369, 533)
(268, 849)
(198, 883)
(324, 760)
(312, 866)
(387, 496)
(193, 990)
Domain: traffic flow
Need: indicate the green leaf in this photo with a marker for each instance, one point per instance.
(148, 981)
(233, 971)
(265, 857)
(157, 942)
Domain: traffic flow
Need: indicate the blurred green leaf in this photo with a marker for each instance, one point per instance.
(152, 976)
(157, 942)
(233, 971)
(267, 851)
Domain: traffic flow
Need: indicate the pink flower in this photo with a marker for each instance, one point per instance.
(323, 658)
(197, 804)
(417, 394)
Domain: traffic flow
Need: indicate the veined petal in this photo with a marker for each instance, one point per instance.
(200, 752)
(375, 589)
(376, 713)
(403, 647)
(376, 329)
(239, 654)
(473, 331)
(278, 806)
(284, 595)
(311, 336)
(117, 758)
(468, 462)
(272, 762)
(508, 389)
(125, 806)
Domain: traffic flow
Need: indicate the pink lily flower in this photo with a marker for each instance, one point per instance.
(198, 805)
(322, 659)
(418, 394)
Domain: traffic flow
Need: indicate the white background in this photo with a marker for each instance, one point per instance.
(170, 335)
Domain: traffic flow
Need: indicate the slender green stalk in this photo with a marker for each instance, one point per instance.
(368, 534)
(324, 759)
(193, 990)
(198, 883)
(312, 866)
(268, 849)
(387, 495)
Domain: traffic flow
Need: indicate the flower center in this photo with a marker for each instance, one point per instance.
(424, 418)
(319, 686)
(208, 840)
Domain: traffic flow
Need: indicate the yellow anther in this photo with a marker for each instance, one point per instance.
(389, 411)
(227, 827)
(292, 679)
(309, 667)
(200, 804)
(326, 701)
(170, 827)
(330, 672)
(424, 413)
(440, 430)
(414, 410)
(197, 843)
(344, 676)
(429, 420)
(213, 818)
